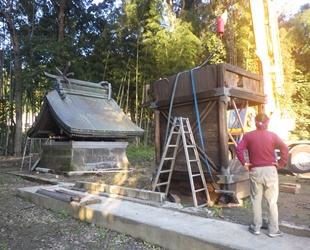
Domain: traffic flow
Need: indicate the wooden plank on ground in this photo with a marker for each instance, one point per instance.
(303, 178)
(291, 188)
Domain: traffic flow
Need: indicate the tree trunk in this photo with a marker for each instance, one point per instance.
(61, 20)
(137, 85)
(60, 9)
(61, 14)
(18, 83)
(127, 98)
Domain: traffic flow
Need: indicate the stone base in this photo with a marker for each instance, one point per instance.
(83, 155)
(241, 189)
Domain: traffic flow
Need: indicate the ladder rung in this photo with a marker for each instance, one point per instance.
(203, 205)
(181, 128)
(195, 175)
(165, 171)
(199, 190)
(162, 184)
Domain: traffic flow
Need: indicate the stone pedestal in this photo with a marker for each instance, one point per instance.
(83, 155)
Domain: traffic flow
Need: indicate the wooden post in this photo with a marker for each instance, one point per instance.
(220, 75)
(157, 137)
(223, 135)
(222, 112)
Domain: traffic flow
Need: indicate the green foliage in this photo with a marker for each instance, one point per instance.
(102, 234)
(4, 247)
(151, 246)
(245, 56)
(136, 42)
(216, 211)
(247, 203)
(296, 58)
(63, 214)
(1, 181)
(139, 154)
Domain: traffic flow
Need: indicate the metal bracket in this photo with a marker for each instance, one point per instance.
(225, 177)
(222, 91)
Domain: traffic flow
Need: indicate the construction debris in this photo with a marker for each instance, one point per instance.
(101, 171)
(69, 196)
(88, 200)
(75, 196)
(302, 178)
(55, 195)
(45, 170)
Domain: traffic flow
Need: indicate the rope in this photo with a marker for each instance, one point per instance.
(171, 105)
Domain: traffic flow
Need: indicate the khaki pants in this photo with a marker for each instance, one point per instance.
(264, 181)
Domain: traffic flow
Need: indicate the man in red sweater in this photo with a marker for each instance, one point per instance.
(262, 165)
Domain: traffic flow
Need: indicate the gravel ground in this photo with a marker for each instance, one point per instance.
(24, 225)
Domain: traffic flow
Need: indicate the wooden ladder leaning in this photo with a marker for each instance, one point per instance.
(181, 129)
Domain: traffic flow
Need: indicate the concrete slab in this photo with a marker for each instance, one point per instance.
(168, 228)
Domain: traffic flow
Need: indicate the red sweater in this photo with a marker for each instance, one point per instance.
(261, 145)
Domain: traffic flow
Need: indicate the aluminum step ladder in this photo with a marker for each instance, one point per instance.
(181, 133)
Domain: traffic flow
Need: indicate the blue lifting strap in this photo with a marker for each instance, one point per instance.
(199, 129)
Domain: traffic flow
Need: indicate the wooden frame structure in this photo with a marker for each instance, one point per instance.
(218, 89)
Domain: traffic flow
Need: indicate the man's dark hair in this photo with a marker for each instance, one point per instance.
(261, 121)
(261, 117)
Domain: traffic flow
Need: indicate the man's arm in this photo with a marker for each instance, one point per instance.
(284, 152)
(242, 146)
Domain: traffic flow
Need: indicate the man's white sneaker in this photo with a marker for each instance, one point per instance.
(253, 231)
(279, 233)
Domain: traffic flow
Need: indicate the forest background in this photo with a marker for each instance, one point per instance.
(131, 43)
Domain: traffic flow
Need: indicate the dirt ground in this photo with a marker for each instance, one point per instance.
(24, 225)
(294, 209)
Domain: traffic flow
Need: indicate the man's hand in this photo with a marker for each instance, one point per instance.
(276, 164)
(247, 166)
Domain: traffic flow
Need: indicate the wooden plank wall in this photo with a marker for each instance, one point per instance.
(209, 128)
(207, 80)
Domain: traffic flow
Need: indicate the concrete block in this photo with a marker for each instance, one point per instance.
(118, 190)
(90, 186)
(76, 155)
(174, 198)
(167, 228)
